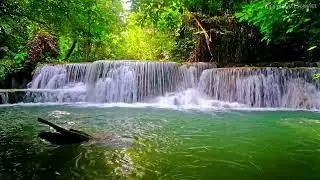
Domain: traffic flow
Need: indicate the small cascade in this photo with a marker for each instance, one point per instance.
(263, 87)
(112, 81)
(4, 98)
(8, 96)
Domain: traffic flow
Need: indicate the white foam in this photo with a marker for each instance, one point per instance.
(58, 114)
(202, 108)
(112, 81)
(174, 86)
(263, 87)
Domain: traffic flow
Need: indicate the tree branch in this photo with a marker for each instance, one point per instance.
(71, 50)
(208, 39)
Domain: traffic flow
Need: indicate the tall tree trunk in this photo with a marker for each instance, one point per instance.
(88, 40)
(71, 50)
(87, 48)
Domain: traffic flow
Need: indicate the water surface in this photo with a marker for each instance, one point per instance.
(155, 143)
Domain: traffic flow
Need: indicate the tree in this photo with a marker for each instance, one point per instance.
(294, 22)
(83, 26)
(144, 42)
(194, 24)
(87, 24)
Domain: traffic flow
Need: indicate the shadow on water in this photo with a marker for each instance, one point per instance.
(18, 153)
(24, 156)
(74, 162)
(21, 159)
(86, 161)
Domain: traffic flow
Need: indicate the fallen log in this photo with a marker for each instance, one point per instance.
(63, 136)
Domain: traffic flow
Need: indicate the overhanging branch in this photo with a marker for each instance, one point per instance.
(208, 39)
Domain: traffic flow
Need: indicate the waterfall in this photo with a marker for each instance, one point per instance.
(263, 87)
(169, 84)
(112, 81)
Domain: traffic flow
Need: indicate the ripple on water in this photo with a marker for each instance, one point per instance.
(150, 143)
(58, 114)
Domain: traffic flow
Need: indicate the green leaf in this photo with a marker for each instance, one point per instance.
(311, 48)
(316, 76)
(306, 20)
(290, 30)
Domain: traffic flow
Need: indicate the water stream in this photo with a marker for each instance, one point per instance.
(173, 84)
(164, 120)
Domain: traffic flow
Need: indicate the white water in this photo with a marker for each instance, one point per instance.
(4, 98)
(113, 81)
(222, 106)
(264, 87)
(174, 86)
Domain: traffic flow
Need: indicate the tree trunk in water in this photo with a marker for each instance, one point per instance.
(63, 136)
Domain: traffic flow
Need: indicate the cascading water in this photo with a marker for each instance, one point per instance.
(112, 81)
(263, 87)
(4, 97)
(171, 84)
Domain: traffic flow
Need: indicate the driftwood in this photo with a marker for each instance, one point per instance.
(63, 136)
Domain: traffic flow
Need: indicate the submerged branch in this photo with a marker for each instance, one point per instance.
(63, 136)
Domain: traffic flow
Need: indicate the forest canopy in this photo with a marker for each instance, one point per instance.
(222, 31)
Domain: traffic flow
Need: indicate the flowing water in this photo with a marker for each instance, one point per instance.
(164, 121)
(112, 81)
(163, 144)
(264, 87)
(176, 84)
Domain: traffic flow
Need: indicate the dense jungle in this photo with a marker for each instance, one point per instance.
(160, 89)
(228, 33)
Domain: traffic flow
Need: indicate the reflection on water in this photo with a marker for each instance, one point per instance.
(148, 143)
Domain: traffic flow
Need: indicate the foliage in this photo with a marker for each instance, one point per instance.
(41, 44)
(284, 21)
(2, 72)
(179, 30)
(317, 76)
(15, 28)
(146, 43)
(8, 66)
(88, 22)
(185, 21)
(164, 14)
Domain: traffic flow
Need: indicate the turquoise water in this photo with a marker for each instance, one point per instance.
(154, 143)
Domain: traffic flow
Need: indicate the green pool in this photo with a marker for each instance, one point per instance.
(154, 143)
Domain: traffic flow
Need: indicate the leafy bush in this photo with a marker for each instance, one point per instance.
(279, 20)
(42, 45)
